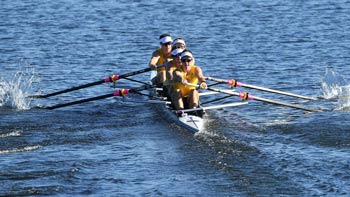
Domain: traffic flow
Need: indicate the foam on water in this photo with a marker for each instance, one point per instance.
(336, 86)
(10, 134)
(13, 91)
(16, 150)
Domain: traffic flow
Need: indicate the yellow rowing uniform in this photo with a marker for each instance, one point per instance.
(167, 81)
(161, 60)
(190, 77)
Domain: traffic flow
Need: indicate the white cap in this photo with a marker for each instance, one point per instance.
(177, 40)
(166, 39)
(176, 51)
(186, 53)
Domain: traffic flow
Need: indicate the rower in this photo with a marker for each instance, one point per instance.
(178, 46)
(168, 85)
(185, 77)
(161, 56)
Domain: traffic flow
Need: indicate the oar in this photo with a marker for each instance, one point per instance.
(234, 83)
(247, 96)
(217, 99)
(112, 78)
(121, 92)
(212, 107)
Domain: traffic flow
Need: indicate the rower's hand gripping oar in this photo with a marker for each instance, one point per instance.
(234, 83)
(109, 79)
(121, 92)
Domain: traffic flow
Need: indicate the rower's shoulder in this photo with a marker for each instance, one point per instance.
(156, 52)
(197, 68)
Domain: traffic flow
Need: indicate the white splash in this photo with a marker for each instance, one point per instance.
(344, 98)
(13, 92)
(334, 85)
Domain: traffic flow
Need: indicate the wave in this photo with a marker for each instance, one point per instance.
(24, 149)
(11, 134)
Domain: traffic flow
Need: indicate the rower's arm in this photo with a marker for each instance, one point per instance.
(169, 70)
(177, 77)
(154, 59)
(201, 78)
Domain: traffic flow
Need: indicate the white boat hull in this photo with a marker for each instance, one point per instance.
(191, 123)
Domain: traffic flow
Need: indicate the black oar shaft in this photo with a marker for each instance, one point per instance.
(80, 101)
(120, 92)
(95, 83)
(71, 89)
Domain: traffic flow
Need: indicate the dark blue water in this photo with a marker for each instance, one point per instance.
(114, 147)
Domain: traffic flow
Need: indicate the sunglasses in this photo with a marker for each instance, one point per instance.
(180, 46)
(186, 60)
(166, 44)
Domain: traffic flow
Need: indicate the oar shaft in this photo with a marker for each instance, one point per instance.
(70, 89)
(285, 104)
(80, 101)
(239, 84)
(106, 80)
(217, 99)
(277, 92)
(250, 97)
(121, 92)
(213, 107)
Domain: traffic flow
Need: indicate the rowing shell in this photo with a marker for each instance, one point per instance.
(192, 122)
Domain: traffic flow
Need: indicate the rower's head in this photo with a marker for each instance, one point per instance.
(176, 55)
(187, 59)
(179, 43)
(165, 43)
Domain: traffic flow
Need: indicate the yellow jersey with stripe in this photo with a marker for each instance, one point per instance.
(190, 77)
